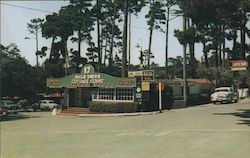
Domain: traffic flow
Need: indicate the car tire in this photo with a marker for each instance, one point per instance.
(5, 113)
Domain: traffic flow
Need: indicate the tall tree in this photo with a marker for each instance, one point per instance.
(83, 21)
(156, 17)
(124, 41)
(168, 4)
(34, 27)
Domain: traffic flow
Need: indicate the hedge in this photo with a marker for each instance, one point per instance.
(114, 107)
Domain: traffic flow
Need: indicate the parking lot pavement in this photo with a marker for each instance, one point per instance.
(207, 131)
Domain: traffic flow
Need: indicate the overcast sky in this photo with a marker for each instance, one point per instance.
(14, 29)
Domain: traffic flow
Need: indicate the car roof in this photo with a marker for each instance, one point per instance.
(7, 101)
(224, 88)
(46, 100)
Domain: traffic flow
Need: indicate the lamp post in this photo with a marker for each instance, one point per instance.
(141, 52)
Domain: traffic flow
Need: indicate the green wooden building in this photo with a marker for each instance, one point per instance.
(89, 86)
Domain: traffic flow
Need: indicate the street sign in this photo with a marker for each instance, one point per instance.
(160, 86)
(145, 86)
(148, 75)
(134, 73)
(239, 65)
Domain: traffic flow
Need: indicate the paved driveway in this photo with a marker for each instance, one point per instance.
(207, 131)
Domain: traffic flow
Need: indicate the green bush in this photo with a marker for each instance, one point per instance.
(114, 107)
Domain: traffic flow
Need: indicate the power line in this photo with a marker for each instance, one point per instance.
(23, 7)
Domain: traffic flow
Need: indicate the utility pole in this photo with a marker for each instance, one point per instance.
(124, 42)
(184, 65)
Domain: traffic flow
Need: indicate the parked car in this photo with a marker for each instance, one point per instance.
(9, 105)
(3, 112)
(224, 94)
(23, 103)
(32, 107)
(48, 105)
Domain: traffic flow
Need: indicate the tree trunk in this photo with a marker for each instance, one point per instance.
(184, 64)
(112, 36)
(234, 45)
(243, 43)
(166, 46)
(124, 42)
(105, 51)
(98, 39)
(37, 64)
(216, 56)
(52, 47)
(66, 56)
(79, 43)
(217, 46)
(129, 40)
(224, 48)
(150, 39)
(150, 43)
(205, 55)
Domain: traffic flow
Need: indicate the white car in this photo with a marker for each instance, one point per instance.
(224, 94)
(48, 105)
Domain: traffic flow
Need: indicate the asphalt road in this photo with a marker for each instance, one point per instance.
(206, 131)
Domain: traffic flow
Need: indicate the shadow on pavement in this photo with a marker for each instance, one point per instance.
(12, 117)
(241, 113)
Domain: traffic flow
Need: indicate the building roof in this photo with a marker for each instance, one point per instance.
(199, 81)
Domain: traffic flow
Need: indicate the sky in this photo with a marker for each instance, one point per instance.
(14, 30)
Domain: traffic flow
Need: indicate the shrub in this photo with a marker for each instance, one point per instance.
(114, 107)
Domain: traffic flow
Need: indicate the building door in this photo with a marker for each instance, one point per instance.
(86, 97)
(82, 97)
(71, 97)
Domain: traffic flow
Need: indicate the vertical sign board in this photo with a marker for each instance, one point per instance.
(145, 86)
(160, 87)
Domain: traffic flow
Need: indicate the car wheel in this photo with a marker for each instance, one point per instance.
(5, 113)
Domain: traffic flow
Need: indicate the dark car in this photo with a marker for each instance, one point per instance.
(3, 112)
(9, 105)
(26, 105)
(32, 107)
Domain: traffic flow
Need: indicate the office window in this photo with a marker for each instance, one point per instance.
(126, 94)
(106, 94)
(119, 94)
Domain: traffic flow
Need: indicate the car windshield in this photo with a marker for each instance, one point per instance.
(51, 102)
(8, 102)
(222, 90)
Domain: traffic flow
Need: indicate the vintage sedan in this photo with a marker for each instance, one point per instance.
(48, 105)
(224, 94)
(9, 105)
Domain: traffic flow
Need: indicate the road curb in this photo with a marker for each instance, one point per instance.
(120, 114)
